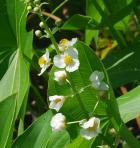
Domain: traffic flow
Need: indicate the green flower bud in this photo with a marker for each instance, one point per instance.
(36, 9)
(29, 8)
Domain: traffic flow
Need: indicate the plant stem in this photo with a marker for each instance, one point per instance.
(58, 7)
(50, 33)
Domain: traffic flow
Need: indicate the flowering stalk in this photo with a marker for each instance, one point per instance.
(50, 33)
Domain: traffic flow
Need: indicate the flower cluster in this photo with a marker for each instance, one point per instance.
(67, 61)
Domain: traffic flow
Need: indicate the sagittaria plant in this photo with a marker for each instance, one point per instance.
(82, 110)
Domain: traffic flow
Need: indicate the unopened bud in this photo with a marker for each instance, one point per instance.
(38, 33)
(41, 24)
(29, 8)
(36, 9)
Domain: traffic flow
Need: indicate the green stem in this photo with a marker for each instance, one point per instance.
(81, 104)
(50, 33)
(59, 6)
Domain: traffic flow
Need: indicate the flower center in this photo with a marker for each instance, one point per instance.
(41, 60)
(64, 42)
(68, 59)
(62, 77)
(93, 128)
(57, 100)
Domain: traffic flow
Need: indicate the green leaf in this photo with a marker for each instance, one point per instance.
(122, 63)
(61, 140)
(86, 22)
(80, 142)
(39, 135)
(129, 104)
(15, 80)
(7, 112)
(92, 12)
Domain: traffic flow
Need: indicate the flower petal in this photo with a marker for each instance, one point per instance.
(103, 86)
(43, 70)
(73, 66)
(72, 52)
(97, 76)
(72, 42)
(59, 61)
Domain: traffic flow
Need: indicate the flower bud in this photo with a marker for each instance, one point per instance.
(41, 24)
(36, 9)
(29, 8)
(58, 122)
(38, 33)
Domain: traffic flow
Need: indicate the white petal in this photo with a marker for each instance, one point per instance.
(103, 86)
(55, 106)
(96, 84)
(47, 54)
(84, 133)
(97, 76)
(72, 42)
(59, 61)
(73, 66)
(72, 52)
(58, 122)
(42, 70)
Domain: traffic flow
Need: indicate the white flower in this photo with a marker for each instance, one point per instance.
(56, 102)
(44, 62)
(60, 76)
(90, 128)
(58, 122)
(97, 81)
(68, 60)
(64, 44)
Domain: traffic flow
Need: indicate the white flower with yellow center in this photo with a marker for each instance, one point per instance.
(58, 122)
(64, 44)
(90, 128)
(56, 102)
(44, 62)
(68, 60)
(60, 77)
(97, 81)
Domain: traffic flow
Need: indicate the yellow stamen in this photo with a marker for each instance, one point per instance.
(93, 128)
(41, 60)
(68, 59)
(62, 77)
(58, 100)
(63, 42)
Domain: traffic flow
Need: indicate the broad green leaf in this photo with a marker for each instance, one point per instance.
(129, 104)
(92, 12)
(59, 139)
(80, 142)
(39, 135)
(13, 32)
(15, 80)
(7, 112)
(86, 22)
(122, 63)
